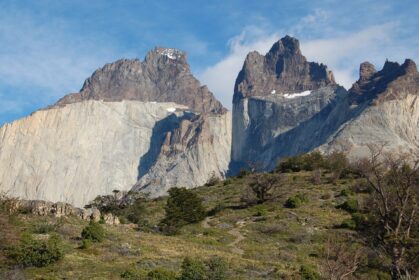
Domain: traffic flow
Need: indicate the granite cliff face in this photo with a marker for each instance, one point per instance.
(284, 106)
(274, 95)
(198, 149)
(113, 133)
(383, 109)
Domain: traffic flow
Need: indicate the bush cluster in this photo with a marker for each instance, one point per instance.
(337, 163)
(298, 163)
(350, 205)
(194, 269)
(39, 253)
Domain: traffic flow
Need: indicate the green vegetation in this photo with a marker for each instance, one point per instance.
(183, 207)
(309, 273)
(296, 201)
(350, 205)
(93, 232)
(38, 253)
(301, 230)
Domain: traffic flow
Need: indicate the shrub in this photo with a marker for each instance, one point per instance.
(338, 164)
(161, 274)
(361, 220)
(296, 201)
(183, 207)
(309, 162)
(218, 208)
(346, 192)
(193, 269)
(349, 224)
(86, 244)
(293, 202)
(44, 228)
(38, 253)
(261, 211)
(227, 182)
(94, 232)
(212, 181)
(243, 173)
(131, 274)
(217, 268)
(308, 273)
(350, 205)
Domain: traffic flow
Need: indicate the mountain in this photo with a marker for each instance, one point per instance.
(163, 76)
(285, 106)
(112, 133)
(150, 125)
(382, 108)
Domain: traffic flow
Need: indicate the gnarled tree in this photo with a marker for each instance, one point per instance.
(393, 209)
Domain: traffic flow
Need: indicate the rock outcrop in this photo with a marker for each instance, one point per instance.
(60, 209)
(112, 134)
(383, 110)
(274, 95)
(290, 111)
(282, 70)
(198, 148)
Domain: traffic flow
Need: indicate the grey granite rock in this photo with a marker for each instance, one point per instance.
(164, 76)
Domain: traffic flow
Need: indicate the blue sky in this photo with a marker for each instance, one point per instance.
(48, 48)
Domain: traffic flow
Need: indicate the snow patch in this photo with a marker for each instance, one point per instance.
(273, 91)
(171, 110)
(297, 94)
(170, 53)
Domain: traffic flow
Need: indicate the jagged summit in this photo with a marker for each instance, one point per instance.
(282, 70)
(170, 53)
(391, 82)
(163, 76)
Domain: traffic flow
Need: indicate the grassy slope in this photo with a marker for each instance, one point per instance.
(266, 241)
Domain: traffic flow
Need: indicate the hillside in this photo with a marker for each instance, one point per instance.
(269, 240)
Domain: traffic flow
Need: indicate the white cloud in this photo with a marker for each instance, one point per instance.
(342, 54)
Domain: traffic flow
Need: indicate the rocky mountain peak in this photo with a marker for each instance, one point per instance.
(170, 53)
(410, 66)
(391, 82)
(286, 46)
(282, 70)
(366, 70)
(163, 76)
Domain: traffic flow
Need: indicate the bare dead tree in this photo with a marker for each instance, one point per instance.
(395, 190)
(264, 185)
(342, 258)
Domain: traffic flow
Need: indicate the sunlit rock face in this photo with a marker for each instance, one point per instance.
(117, 131)
(383, 110)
